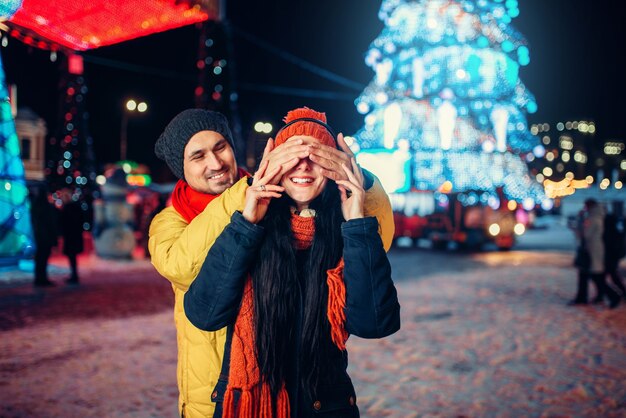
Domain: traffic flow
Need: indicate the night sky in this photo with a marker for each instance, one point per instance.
(576, 70)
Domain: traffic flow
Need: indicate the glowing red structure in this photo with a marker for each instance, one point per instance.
(80, 25)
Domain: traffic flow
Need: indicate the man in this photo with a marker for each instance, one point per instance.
(44, 218)
(71, 221)
(198, 147)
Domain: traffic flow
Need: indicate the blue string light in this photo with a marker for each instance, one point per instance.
(15, 227)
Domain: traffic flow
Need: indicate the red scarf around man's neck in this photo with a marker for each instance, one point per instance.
(189, 203)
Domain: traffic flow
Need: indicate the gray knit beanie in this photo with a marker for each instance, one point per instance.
(171, 144)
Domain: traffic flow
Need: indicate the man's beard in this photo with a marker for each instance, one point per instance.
(221, 186)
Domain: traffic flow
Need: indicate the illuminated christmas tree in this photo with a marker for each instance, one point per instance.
(15, 227)
(446, 107)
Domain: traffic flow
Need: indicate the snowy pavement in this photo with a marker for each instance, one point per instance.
(483, 335)
(495, 341)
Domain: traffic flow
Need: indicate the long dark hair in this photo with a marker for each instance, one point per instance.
(276, 290)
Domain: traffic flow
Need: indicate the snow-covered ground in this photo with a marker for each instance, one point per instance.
(549, 232)
(492, 336)
(483, 335)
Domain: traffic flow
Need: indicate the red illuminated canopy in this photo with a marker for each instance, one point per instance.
(87, 24)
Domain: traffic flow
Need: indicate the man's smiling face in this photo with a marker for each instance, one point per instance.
(209, 163)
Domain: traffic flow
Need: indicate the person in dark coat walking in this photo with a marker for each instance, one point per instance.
(44, 218)
(592, 241)
(614, 249)
(72, 231)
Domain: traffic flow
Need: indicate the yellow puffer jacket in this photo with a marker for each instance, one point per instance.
(178, 250)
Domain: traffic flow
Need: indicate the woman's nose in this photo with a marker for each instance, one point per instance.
(304, 164)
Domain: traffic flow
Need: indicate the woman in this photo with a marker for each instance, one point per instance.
(292, 275)
(592, 230)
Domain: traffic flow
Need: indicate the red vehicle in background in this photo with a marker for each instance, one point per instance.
(468, 219)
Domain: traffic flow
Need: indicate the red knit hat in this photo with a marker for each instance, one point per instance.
(305, 121)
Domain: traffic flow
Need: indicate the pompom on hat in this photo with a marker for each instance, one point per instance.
(308, 122)
(170, 146)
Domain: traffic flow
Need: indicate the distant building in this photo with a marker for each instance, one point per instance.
(31, 131)
(574, 158)
(569, 149)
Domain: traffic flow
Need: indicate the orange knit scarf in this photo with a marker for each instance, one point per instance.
(245, 376)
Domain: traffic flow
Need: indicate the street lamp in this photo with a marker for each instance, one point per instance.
(131, 107)
(263, 127)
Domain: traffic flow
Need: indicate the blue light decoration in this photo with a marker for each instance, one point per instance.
(15, 227)
(397, 173)
(447, 84)
(8, 8)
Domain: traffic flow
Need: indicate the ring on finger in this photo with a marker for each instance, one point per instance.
(262, 187)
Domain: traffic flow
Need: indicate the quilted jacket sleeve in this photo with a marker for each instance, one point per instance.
(213, 298)
(377, 204)
(372, 308)
(179, 248)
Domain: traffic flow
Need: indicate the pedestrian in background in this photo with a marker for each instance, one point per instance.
(44, 218)
(615, 248)
(72, 231)
(591, 266)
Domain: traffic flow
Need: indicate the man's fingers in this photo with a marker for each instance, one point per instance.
(330, 153)
(266, 178)
(343, 145)
(261, 177)
(298, 143)
(284, 152)
(356, 183)
(288, 165)
(330, 174)
(357, 170)
(282, 169)
(353, 171)
(269, 146)
(280, 156)
(327, 163)
(293, 141)
(259, 173)
(349, 173)
(299, 154)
